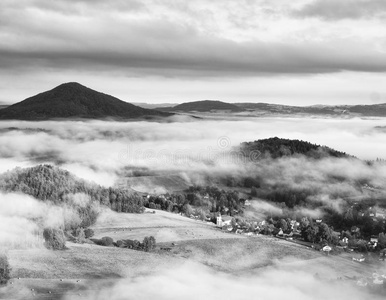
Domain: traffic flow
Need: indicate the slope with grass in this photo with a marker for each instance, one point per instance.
(43, 274)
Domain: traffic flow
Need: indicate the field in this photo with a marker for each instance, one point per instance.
(44, 274)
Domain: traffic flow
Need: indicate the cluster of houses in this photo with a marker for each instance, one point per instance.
(225, 222)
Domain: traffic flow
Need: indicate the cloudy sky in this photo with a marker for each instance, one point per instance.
(291, 52)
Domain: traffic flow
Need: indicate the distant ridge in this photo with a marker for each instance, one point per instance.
(372, 110)
(73, 100)
(203, 106)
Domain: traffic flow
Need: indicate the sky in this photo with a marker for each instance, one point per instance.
(299, 52)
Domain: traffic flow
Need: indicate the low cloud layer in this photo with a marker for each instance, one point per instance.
(23, 218)
(106, 151)
(193, 281)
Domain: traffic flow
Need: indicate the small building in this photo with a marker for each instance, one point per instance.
(373, 242)
(224, 220)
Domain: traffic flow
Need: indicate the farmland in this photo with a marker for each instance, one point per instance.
(51, 274)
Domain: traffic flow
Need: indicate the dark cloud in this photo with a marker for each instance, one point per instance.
(187, 54)
(347, 9)
(153, 38)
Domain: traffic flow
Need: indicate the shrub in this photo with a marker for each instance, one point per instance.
(88, 233)
(121, 244)
(80, 235)
(54, 238)
(5, 269)
(149, 244)
(107, 241)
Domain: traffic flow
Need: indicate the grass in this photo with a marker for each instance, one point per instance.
(59, 272)
(241, 254)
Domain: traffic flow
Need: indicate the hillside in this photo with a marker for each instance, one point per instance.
(277, 147)
(49, 183)
(73, 100)
(203, 106)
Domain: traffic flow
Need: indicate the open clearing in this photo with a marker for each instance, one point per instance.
(164, 226)
(44, 274)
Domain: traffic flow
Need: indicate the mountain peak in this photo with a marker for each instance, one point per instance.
(72, 84)
(73, 100)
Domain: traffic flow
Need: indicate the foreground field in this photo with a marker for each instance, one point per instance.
(43, 274)
(164, 226)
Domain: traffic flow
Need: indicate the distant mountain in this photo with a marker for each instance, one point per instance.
(277, 147)
(3, 106)
(73, 100)
(375, 110)
(203, 106)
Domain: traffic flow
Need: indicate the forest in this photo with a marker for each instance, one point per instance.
(277, 147)
(55, 185)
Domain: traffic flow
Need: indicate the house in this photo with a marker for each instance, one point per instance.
(294, 224)
(319, 221)
(373, 242)
(247, 203)
(223, 220)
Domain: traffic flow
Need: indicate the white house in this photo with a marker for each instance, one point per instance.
(223, 220)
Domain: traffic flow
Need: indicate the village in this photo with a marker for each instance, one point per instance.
(350, 245)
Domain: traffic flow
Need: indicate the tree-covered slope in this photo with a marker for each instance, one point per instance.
(49, 183)
(277, 147)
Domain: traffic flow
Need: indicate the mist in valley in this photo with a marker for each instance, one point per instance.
(103, 151)
(200, 152)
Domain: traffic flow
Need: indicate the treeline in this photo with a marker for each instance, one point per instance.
(277, 147)
(208, 200)
(148, 244)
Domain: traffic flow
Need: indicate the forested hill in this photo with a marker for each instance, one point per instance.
(73, 100)
(203, 106)
(277, 147)
(49, 183)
